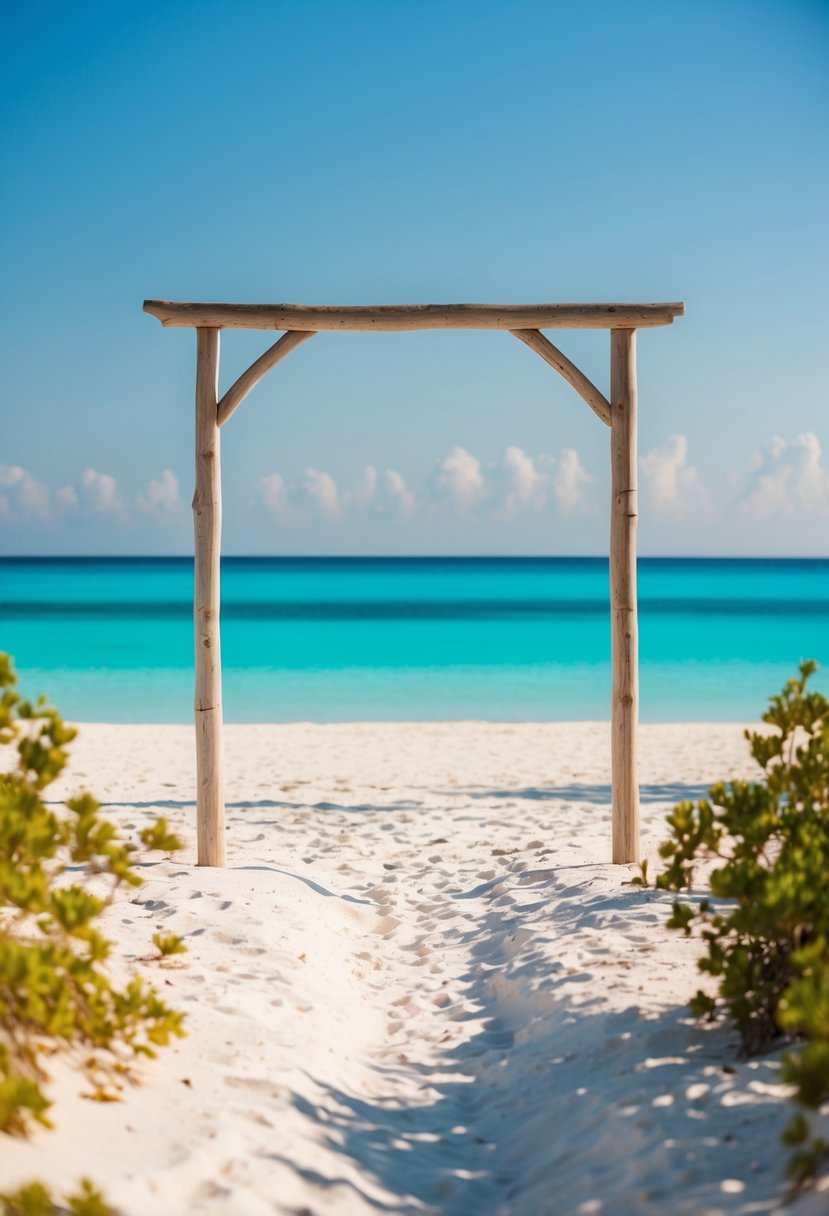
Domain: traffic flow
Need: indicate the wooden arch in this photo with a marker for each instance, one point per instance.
(300, 322)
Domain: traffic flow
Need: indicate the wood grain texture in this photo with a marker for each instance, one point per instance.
(237, 392)
(400, 317)
(207, 520)
(542, 346)
(623, 609)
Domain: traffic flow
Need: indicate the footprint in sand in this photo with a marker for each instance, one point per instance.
(386, 925)
(211, 1190)
(258, 1085)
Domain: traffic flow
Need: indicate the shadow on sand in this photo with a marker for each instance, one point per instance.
(671, 792)
(553, 1104)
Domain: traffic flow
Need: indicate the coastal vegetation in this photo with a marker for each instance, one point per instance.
(765, 848)
(60, 866)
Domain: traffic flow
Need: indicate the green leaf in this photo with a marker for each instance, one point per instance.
(765, 929)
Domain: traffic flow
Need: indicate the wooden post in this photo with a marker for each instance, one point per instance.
(300, 322)
(207, 520)
(624, 624)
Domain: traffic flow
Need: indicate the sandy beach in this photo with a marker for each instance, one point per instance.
(418, 987)
(420, 409)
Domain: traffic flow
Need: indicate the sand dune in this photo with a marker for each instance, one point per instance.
(418, 987)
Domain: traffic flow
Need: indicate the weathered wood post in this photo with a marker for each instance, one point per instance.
(524, 321)
(207, 521)
(624, 623)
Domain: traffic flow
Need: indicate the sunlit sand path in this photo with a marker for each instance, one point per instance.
(418, 988)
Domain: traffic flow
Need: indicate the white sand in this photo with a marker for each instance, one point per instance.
(418, 987)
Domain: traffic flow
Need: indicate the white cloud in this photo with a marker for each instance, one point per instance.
(788, 475)
(458, 477)
(274, 493)
(321, 489)
(672, 486)
(516, 482)
(382, 495)
(366, 489)
(101, 491)
(570, 482)
(526, 486)
(363, 498)
(397, 493)
(67, 497)
(160, 498)
(374, 494)
(23, 496)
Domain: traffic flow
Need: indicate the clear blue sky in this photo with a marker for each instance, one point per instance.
(415, 152)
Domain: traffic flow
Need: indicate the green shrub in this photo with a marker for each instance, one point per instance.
(766, 927)
(36, 1200)
(168, 944)
(56, 996)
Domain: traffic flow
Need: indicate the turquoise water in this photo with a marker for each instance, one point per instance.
(400, 638)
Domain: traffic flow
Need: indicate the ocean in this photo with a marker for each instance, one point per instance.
(350, 639)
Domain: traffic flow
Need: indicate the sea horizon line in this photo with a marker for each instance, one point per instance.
(35, 558)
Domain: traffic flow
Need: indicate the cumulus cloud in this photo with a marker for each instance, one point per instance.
(397, 494)
(101, 492)
(374, 494)
(363, 498)
(526, 485)
(320, 489)
(366, 491)
(458, 478)
(570, 483)
(22, 495)
(160, 498)
(67, 497)
(385, 494)
(515, 482)
(788, 475)
(671, 484)
(274, 493)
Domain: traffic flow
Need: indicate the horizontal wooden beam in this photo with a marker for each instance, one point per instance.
(237, 392)
(542, 346)
(396, 318)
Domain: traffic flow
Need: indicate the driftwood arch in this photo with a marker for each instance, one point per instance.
(301, 322)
